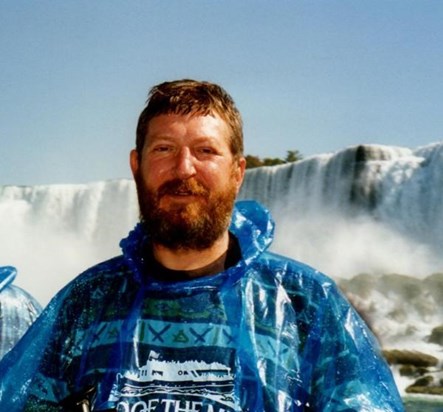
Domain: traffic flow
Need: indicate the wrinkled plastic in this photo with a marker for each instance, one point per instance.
(269, 334)
(18, 310)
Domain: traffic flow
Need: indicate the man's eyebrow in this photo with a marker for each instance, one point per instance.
(159, 137)
(198, 139)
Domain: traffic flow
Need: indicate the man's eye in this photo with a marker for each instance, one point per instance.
(162, 149)
(206, 150)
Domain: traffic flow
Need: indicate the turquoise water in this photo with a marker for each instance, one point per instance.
(423, 406)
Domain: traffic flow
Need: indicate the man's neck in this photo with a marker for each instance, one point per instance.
(188, 259)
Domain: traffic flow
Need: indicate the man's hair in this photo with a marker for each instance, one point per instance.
(193, 97)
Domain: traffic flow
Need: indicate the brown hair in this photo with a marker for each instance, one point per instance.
(191, 97)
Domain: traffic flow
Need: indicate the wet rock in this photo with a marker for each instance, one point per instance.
(405, 357)
(424, 381)
(417, 365)
(437, 335)
(428, 390)
(412, 371)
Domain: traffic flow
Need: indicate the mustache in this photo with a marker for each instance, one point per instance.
(178, 186)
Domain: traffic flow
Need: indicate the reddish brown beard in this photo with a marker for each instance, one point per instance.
(195, 226)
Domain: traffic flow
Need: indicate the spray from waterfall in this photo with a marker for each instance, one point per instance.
(374, 209)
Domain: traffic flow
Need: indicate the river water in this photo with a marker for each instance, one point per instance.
(423, 406)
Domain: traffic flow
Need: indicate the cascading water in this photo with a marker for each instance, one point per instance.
(52, 233)
(371, 217)
(367, 209)
(396, 188)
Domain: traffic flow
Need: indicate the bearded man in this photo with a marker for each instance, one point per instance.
(196, 315)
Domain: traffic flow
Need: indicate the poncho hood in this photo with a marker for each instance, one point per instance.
(18, 310)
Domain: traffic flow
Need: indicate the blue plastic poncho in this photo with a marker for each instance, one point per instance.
(18, 309)
(268, 334)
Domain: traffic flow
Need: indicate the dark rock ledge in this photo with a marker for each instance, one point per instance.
(424, 370)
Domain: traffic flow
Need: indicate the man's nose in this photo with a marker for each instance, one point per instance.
(185, 167)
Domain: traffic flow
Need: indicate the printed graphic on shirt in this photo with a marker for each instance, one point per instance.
(175, 386)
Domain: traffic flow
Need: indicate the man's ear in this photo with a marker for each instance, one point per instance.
(134, 162)
(239, 173)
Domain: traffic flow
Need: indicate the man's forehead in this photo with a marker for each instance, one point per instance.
(211, 123)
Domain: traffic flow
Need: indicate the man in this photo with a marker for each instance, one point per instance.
(196, 315)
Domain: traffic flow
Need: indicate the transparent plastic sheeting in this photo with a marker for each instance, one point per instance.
(268, 334)
(18, 310)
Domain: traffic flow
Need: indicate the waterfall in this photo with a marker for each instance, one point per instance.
(52, 233)
(369, 216)
(370, 208)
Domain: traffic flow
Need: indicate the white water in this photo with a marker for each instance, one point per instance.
(372, 218)
(379, 214)
(52, 233)
(374, 210)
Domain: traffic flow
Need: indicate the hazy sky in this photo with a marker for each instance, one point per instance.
(315, 76)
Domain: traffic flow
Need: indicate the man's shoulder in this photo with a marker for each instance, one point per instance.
(113, 265)
(294, 276)
(101, 276)
(289, 267)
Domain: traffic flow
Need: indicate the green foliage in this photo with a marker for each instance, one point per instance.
(293, 156)
(255, 161)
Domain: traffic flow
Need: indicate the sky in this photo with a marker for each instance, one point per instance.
(315, 76)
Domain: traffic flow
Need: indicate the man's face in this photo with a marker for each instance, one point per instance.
(187, 180)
